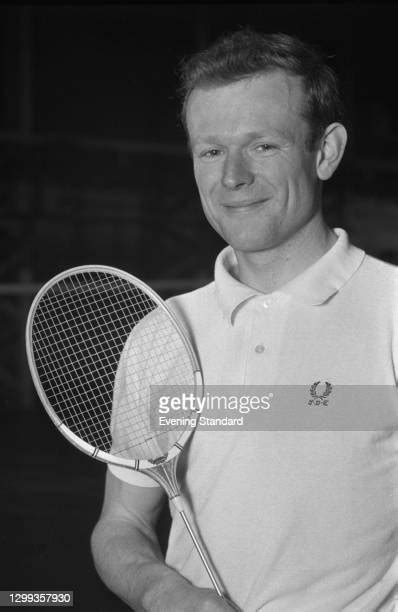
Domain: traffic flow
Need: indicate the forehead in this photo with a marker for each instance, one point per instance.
(265, 102)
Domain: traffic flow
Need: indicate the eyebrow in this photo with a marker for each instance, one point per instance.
(212, 138)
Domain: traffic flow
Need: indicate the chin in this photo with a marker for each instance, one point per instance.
(251, 244)
(247, 246)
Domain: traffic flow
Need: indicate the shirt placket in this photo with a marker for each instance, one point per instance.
(264, 340)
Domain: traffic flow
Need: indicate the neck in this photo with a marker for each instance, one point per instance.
(271, 269)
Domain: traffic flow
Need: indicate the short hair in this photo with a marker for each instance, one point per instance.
(246, 53)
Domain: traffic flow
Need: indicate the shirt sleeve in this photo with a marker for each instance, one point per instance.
(132, 477)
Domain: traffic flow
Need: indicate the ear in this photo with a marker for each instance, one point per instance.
(331, 150)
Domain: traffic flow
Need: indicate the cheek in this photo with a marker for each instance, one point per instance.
(275, 174)
(200, 178)
(206, 182)
(294, 181)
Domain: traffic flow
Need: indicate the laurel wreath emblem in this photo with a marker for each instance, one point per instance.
(328, 390)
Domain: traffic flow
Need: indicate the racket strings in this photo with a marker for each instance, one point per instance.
(94, 327)
(77, 329)
(134, 431)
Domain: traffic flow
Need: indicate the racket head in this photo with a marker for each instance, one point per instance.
(104, 306)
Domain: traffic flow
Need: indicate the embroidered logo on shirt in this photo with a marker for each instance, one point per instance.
(319, 399)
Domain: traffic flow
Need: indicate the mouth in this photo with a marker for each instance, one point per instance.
(244, 206)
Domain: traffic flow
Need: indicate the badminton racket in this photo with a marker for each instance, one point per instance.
(99, 341)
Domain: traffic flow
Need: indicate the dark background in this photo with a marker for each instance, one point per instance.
(94, 169)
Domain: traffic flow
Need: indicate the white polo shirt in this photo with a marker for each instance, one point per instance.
(295, 521)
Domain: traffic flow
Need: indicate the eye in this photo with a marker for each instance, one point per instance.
(263, 148)
(210, 153)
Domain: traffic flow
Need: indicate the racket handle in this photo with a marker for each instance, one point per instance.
(202, 555)
(199, 547)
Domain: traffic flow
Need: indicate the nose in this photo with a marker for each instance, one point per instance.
(236, 172)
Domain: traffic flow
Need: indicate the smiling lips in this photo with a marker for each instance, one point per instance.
(243, 206)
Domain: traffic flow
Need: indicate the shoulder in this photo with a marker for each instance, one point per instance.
(196, 311)
(380, 282)
(375, 266)
(378, 278)
(194, 305)
(375, 291)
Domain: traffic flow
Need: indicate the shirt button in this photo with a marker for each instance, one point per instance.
(259, 348)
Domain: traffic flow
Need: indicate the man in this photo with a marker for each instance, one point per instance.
(295, 521)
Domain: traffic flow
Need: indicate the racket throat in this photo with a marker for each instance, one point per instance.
(165, 474)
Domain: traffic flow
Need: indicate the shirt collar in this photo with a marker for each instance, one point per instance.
(314, 286)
